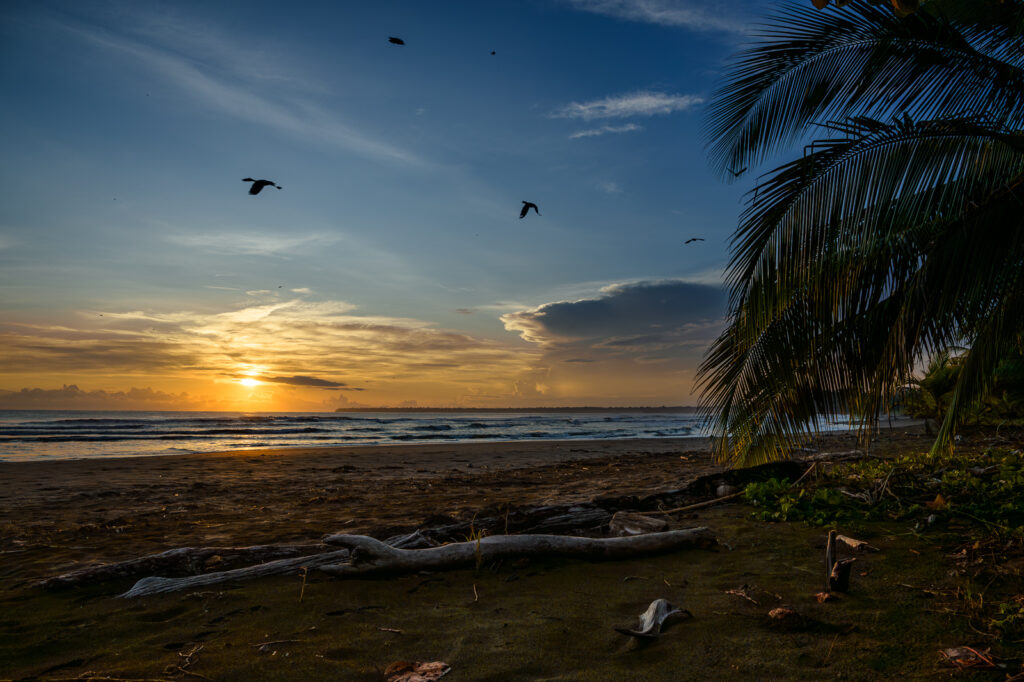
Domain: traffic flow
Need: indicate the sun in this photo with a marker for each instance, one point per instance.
(250, 382)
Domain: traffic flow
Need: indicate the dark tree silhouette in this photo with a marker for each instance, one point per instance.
(898, 234)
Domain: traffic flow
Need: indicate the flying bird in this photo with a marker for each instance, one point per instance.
(526, 209)
(493, 52)
(396, 41)
(736, 174)
(257, 185)
(694, 239)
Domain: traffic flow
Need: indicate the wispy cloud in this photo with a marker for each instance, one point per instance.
(229, 86)
(295, 343)
(679, 13)
(253, 244)
(604, 130)
(641, 103)
(610, 187)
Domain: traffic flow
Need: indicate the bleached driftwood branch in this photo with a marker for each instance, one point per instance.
(373, 556)
(186, 560)
(158, 585)
(363, 555)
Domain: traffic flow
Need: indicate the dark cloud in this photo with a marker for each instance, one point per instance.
(638, 315)
(645, 339)
(465, 311)
(79, 352)
(70, 397)
(302, 381)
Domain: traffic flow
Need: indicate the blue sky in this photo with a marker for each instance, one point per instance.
(393, 267)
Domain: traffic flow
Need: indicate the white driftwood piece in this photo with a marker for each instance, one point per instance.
(158, 585)
(629, 523)
(658, 616)
(373, 556)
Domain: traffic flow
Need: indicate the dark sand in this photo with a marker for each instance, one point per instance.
(548, 619)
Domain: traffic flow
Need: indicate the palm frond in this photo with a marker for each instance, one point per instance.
(814, 66)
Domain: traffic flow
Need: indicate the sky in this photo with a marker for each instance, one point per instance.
(392, 268)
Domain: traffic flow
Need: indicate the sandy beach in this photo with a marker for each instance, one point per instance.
(55, 516)
(149, 504)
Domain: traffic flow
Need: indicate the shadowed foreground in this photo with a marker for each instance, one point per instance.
(519, 620)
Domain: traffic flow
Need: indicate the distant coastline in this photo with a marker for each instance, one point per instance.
(672, 409)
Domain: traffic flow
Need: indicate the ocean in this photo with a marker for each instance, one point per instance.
(71, 434)
(44, 435)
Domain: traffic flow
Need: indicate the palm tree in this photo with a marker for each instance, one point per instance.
(896, 234)
(932, 393)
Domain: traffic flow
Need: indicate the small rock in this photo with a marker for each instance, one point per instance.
(725, 489)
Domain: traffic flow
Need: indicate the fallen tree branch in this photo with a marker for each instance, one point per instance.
(698, 505)
(373, 556)
(179, 561)
(158, 585)
(363, 554)
(836, 456)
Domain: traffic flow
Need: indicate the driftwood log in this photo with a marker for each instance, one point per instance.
(835, 456)
(586, 518)
(363, 555)
(373, 556)
(159, 585)
(180, 561)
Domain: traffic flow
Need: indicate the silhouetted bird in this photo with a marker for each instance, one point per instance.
(257, 185)
(493, 52)
(694, 239)
(736, 174)
(396, 41)
(526, 209)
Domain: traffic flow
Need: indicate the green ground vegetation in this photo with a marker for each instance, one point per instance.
(975, 498)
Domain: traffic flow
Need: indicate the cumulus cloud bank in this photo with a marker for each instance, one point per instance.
(644, 339)
(639, 314)
(70, 397)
